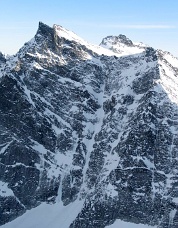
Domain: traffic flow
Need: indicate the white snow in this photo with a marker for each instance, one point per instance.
(171, 216)
(96, 129)
(140, 44)
(69, 35)
(60, 120)
(59, 195)
(47, 215)
(121, 49)
(175, 200)
(111, 191)
(121, 224)
(5, 146)
(4, 190)
(49, 56)
(148, 163)
(64, 160)
(168, 77)
(59, 216)
(39, 147)
(170, 58)
(28, 94)
(170, 86)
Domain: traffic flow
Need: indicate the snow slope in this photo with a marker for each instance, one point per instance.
(58, 216)
(47, 215)
(122, 224)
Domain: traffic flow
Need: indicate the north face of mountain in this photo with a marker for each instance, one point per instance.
(94, 124)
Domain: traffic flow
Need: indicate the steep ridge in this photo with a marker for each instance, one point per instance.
(2, 63)
(2, 58)
(94, 124)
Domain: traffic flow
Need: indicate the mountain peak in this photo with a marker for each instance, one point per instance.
(122, 45)
(114, 40)
(44, 29)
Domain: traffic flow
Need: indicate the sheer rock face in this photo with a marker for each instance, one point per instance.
(2, 58)
(83, 122)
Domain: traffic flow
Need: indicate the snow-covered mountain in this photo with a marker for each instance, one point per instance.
(88, 134)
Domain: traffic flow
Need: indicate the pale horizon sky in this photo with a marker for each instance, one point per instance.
(153, 22)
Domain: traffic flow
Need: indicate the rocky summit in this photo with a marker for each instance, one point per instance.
(91, 128)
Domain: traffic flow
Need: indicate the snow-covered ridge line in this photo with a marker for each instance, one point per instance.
(101, 49)
(69, 35)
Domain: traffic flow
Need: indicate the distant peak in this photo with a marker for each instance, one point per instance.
(114, 40)
(122, 45)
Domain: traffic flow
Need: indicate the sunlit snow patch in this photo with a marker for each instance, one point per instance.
(122, 224)
(4, 190)
(48, 215)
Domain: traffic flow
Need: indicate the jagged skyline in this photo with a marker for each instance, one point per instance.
(152, 22)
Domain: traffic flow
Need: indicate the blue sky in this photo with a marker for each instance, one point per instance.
(154, 22)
